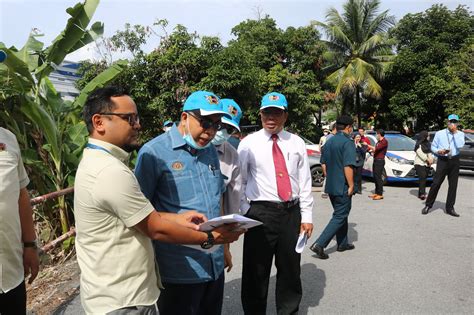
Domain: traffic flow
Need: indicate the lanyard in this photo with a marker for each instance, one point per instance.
(96, 147)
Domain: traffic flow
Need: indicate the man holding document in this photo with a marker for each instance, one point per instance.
(179, 171)
(276, 183)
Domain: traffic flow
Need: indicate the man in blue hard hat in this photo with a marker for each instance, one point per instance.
(445, 146)
(179, 171)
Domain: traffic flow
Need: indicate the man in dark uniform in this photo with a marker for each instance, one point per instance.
(338, 160)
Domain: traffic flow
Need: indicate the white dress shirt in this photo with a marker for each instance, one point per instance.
(258, 170)
(230, 168)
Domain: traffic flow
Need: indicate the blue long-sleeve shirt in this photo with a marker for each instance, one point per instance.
(444, 139)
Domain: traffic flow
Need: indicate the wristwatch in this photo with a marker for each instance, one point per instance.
(31, 244)
(209, 242)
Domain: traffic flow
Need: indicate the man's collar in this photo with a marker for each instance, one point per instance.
(177, 140)
(114, 150)
(281, 135)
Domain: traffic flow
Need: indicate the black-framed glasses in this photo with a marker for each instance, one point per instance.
(272, 111)
(230, 129)
(132, 118)
(207, 123)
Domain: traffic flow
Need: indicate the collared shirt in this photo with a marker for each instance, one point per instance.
(230, 168)
(337, 154)
(365, 139)
(258, 170)
(177, 178)
(116, 260)
(444, 139)
(381, 149)
(13, 177)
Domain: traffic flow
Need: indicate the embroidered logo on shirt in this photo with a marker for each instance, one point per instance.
(273, 97)
(212, 99)
(177, 166)
(3, 146)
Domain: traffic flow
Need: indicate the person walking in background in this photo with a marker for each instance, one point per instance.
(329, 136)
(446, 145)
(230, 165)
(18, 248)
(379, 152)
(423, 161)
(338, 160)
(361, 151)
(323, 138)
(276, 180)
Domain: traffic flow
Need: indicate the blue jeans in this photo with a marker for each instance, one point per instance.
(338, 225)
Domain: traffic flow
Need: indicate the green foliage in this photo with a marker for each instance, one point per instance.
(432, 73)
(359, 49)
(49, 129)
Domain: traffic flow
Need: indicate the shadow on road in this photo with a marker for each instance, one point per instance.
(352, 235)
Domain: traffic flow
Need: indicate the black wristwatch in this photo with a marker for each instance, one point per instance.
(210, 241)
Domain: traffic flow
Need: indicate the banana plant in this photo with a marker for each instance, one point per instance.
(50, 127)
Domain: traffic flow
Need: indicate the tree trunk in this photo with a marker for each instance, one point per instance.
(357, 101)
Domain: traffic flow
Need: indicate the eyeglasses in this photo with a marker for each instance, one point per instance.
(132, 118)
(207, 123)
(272, 111)
(230, 129)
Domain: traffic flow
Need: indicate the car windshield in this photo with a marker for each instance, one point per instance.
(306, 141)
(400, 143)
(469, 136)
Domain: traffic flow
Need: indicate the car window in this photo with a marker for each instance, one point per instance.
(469, 137)
(400, 143)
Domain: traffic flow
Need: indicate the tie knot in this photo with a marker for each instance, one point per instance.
(274, 137)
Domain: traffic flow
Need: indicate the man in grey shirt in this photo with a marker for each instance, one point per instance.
(230, 165)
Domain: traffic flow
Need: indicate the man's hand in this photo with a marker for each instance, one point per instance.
(307, 228)
(190, 219)
(227, 258)
(227, 233)
(30, 263)
(350, 190)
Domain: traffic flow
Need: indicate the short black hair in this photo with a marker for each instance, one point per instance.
(381, 132)
(98, 102)
(340, 127)
(361, 128)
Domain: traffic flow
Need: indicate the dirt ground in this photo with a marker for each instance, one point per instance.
(54, 286)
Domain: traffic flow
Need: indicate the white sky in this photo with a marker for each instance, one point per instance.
(206, 17)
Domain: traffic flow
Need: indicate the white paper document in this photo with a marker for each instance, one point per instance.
(242, 222)
(301, 242)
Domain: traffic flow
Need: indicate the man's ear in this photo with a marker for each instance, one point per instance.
(98, 123)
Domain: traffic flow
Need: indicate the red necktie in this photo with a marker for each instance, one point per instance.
(282, 178)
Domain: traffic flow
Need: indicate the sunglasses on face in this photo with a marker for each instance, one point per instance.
(131, 118)
(207, 123)
(230, 129)
(272, 111)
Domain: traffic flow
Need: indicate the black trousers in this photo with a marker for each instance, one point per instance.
(377, 169)
(358, 179)
(445, 167)
(14, 301)
(192, 299)
(422, 172)
(276, 237)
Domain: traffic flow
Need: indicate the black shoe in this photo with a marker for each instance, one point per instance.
(344, 248)
(425, 210)
(319, 251)
(452, 212)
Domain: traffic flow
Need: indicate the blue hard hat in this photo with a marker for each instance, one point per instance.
(274, 99)
(453, 117)
(206, 102)
(233, 109)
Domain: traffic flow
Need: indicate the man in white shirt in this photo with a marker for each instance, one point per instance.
(114, 220)
(18, 252)
(276, 182)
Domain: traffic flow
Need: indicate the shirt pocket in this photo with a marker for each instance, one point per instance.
(9, 180)
(181, 187)
(292, 162)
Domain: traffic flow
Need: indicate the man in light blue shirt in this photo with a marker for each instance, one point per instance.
(445, 146)
(179, 171)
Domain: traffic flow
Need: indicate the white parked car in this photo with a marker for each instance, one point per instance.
(399, 160)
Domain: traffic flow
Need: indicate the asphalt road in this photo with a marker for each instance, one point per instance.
(404, 262)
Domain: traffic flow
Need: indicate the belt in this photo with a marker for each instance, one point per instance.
(276, 204)
(452, 157)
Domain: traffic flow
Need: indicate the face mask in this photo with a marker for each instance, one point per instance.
(190, 140)
(220, 137)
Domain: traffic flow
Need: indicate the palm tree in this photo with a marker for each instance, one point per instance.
(359, 49)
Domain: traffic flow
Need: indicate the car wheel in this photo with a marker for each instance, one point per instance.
(317, 176)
